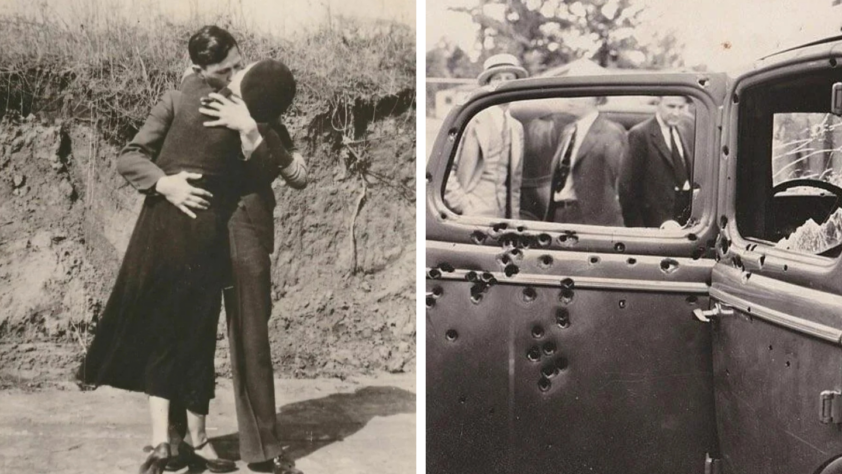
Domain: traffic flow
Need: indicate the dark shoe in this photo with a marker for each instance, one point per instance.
(195, 460)
(157, 459)
(177, 462)
(279, 465)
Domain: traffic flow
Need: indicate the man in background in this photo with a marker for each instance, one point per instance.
(586, 168)
(656, 179)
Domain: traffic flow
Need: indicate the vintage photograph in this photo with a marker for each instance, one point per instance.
(207, 236)
(633, 233)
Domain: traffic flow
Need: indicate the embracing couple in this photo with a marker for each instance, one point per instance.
(206, 158)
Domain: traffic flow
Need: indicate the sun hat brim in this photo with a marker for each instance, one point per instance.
(485, 76)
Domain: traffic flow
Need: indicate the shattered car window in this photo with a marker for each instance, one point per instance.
(807, 164)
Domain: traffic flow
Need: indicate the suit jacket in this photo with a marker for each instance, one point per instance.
(648, 176)
(595, 172)
(269, 160)
(486, 178)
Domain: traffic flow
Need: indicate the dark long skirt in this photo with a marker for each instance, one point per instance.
(157, 333)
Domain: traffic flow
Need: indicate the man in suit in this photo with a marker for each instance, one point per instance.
(586, 168)
(656, 179)
(486, 176)
(266, 154)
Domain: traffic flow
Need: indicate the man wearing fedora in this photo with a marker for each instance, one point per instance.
(486, 175)
(266, 154)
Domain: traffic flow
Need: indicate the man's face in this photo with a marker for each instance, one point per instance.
(219, 75)
(501, 77)
(580, 106)
(671, 109)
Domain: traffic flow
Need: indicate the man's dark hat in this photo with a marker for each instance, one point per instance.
(268, 89)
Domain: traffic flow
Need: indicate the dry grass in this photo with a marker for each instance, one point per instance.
(113, 72)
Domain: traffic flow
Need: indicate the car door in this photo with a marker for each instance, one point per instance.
(776, 339)
(567, 347)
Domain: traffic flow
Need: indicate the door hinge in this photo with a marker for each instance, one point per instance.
(831, 407)
(712, 465)
(718, 310)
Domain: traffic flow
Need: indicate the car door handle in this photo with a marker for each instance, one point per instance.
(718, 310)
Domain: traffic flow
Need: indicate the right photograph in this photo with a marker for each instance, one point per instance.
(633, 235)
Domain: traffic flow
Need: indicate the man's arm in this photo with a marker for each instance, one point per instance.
(137, 162)
(274, 156)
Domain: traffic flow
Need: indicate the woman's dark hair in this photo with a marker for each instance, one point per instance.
(210, 45)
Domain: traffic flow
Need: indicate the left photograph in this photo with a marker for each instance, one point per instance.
(207, 236)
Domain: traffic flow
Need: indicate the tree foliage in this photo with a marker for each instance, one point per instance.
(548, 33)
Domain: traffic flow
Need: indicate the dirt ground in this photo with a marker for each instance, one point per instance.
(343, 266)
(357, 426)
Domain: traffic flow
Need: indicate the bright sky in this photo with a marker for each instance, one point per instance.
(282, 17)
(752, 28)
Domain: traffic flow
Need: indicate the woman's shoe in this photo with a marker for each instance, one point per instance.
(212, 465)
(157, 459)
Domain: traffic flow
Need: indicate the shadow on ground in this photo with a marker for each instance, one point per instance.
(313, 424)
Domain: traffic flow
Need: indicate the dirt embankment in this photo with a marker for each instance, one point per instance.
(343, 302)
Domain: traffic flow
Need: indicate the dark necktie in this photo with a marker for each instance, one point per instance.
(677, 159)
(563, 169)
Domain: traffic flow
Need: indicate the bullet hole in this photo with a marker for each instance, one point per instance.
(622, 304)
(451, 335)
(561, 363)
(727, 372)
(669, 265)
(446, 267)
(499, 227)
(451, 134)
(832, 62)
(568, 239)
(434, 273)
(631, 261)
(568, 283)
(697, 253)
(505, 260)
(736, 98)
(537, 332)
(529, 294)
(703, 81)
(534, 354)
(762, 261)
(711, 243)
(430, 302)
(692, 299)
(487, 277)
(476, 298)
(429, 177)
(724, 245)
(566, 296)
(748, 309)
(544, 240)
(549, 371)
(437, 292)
(511, 270)
(692, 237)
(725, 150)
(544, 385)
(471, 276)
(478, 237)
(723, 222)
(787, 363)
(516, 253)
(770, 347)
(593, 260)
(477, 291)
(491, 411)
(463, 400)
(619, 247)
(562, 318)
(545, 261)
(520, 228)
(745, 277)
(752, 247)
(549, 349)
(443, 216)
(737, 262)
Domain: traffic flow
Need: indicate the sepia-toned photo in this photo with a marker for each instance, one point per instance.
(207, 236)
(633, 238)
